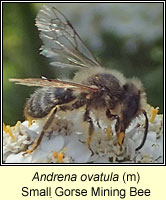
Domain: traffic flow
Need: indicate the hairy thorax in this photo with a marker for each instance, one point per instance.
(109, 93)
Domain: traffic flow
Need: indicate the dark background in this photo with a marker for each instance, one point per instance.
(123, 36)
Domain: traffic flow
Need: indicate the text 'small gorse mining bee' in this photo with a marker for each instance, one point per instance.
(97, 90)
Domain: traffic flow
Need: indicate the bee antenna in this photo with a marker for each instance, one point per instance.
(145, 132)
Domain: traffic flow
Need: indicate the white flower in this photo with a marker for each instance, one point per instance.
(66, 142)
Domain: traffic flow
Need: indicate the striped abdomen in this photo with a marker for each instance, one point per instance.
(44, 99)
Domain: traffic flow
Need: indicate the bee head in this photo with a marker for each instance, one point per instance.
(134, 100)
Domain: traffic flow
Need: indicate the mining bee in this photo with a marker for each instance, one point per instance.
(105, 93)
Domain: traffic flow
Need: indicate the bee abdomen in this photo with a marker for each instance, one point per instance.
(44, 99)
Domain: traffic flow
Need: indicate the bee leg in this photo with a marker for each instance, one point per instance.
(88, 119)
(98, 124)
(48, 121)
(46, 125)
(112, 117)
(117, 125)
(145, 132)
(121, 133)
(119, 128)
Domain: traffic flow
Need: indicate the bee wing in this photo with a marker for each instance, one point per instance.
(44, 82)
(61, 41)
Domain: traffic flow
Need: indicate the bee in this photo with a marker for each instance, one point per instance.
(105, 93)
